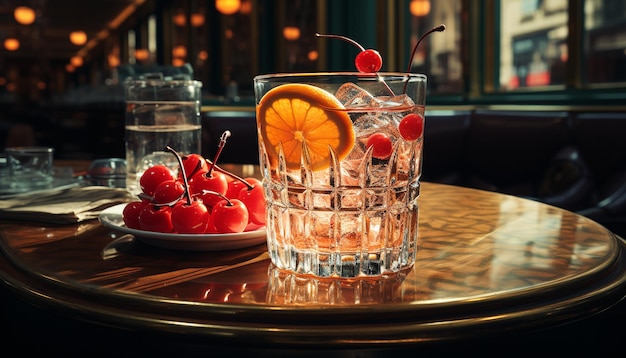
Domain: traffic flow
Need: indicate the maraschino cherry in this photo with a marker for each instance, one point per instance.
(211, 180)
(411, 126)
(229, 215)
(382, 147)
(154, 176)
(189, 215)
(250, 192)
(366, 61)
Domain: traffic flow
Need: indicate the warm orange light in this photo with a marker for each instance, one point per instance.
(142, 54)
(76, 61)
(197, 20)
(179, 19)
(24, 15)
(203, 55)
(313, 55)
(179, 51)
(291, 33)
(11, 44)
(178, 62)
(113, 60)
(78, 38)
(227, 7)
(419, 7)
(246, 7)
(69, 68)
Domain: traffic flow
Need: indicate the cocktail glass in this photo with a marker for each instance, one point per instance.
(340, 155)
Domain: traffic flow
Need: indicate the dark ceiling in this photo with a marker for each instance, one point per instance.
(48, 37)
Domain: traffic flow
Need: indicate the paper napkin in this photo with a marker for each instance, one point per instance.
(69, 205)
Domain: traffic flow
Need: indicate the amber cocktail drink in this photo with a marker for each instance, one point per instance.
(341, 156)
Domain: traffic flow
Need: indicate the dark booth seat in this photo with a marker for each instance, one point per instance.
(576, 161)
(600, 140)
(242, 145)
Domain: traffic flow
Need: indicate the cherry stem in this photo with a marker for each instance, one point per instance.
(439, 28)
(341, 38)
(220, 147)
(224, 171)
(182, 168)
(205, 191)
(196, 169)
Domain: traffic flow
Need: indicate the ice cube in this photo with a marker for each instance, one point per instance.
(353, 96)
(377, 122)
(401, 100)
(367, 124)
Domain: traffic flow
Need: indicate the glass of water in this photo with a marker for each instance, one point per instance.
(160, 113)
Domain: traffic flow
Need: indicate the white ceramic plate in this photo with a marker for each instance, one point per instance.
(112, 218)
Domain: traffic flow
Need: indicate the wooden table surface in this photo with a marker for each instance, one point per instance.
(487, 263)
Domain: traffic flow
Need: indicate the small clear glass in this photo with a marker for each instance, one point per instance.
(29, 166)
(160, 112)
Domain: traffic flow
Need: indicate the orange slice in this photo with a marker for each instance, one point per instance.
(293, 114)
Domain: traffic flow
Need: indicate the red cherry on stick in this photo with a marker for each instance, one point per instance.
(212, 180)
(190, 218)
(156, 218)
(254, 199)
(193, 164)
(235, 184)
(190, 215)
(230, 216)
(250, 192)
(366, 61)
(209, 182)
(154, 176)
(130, 214)
(168, 192)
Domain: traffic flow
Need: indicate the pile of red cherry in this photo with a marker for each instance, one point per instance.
(201, 198)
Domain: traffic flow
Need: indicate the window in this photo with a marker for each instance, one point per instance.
(537, 53)
(605, 39)
(492, 52)
(533, 43)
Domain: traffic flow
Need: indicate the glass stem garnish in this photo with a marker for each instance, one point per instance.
(439, 28)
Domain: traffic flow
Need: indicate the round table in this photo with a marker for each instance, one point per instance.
(488, 264)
